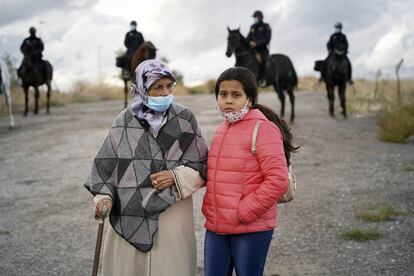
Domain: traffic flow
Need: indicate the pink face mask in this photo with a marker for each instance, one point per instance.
(235, 116)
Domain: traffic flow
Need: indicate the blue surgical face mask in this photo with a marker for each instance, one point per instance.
(256, 20)
(160, 104)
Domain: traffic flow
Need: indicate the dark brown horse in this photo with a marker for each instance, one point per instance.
(146, 51)
(35, 74)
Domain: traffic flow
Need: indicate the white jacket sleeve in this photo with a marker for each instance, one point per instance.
(187, 181)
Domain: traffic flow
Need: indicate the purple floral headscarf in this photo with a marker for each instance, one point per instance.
(148, 72)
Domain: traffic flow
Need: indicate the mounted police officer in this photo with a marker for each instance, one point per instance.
(338, 44)
(32, 48)
(259, 39)
(133, 40)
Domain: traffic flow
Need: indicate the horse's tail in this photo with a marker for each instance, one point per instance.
(294, 75)
(286, 69)
(49, 70)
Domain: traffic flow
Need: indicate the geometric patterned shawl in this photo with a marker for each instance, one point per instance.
(129, 155)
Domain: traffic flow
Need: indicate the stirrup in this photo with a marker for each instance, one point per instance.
(262, 83)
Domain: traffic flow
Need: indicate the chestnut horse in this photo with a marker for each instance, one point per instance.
(146, 51)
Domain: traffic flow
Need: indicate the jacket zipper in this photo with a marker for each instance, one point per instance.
(215, 173)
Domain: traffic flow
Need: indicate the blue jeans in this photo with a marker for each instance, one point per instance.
(246, 252)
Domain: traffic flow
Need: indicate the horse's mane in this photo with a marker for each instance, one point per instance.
(243, 39)
(141, 54)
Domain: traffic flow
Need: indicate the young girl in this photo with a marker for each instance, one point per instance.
(240, 204)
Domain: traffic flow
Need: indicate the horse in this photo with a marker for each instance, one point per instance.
(35, 74)
(5, 89)
(146, 51)
(281, 72)
(335, 72)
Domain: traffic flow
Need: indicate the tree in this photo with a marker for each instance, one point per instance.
(178, 76)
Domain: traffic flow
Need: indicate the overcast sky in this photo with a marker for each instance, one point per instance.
(192, 34)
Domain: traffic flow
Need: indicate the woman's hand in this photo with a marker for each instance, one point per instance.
(103, 207)
(162, 180)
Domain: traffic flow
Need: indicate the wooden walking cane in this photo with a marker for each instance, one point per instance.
(99, 242)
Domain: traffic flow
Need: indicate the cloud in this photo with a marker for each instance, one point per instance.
(81, 37)
(14, 10)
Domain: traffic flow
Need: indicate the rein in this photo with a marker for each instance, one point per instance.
(242, 53)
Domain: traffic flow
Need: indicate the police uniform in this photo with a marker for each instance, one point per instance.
(133, 39)
(261, 33)
(32, 46)
(335, 40)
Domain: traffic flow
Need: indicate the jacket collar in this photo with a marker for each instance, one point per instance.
(253, 114)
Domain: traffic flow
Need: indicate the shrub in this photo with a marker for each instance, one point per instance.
(361, 235)
(375, 212)
(397, 124)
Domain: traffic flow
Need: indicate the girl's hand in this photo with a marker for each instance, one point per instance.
(162, 180)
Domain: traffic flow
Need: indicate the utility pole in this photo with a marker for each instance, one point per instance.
(41, 22)
(99, 65)
(397, 72)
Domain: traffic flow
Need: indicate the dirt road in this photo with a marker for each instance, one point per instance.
(46, 224)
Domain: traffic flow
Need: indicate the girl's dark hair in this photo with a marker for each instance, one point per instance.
(248, 81)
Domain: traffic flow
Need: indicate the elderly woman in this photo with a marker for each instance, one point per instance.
(145, 172)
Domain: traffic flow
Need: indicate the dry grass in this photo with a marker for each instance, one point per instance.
(395, 117)
(371, 96)
(205, 88)
(396, 125)
(81, 92)
(309, 83)
(395, 122)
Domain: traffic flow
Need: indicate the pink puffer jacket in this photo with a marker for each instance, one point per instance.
(242, 188)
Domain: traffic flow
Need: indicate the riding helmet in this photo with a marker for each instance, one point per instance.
(133, 22)
(338, 25)
(258, 14)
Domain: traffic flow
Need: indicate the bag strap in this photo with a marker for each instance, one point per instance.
(254, 136)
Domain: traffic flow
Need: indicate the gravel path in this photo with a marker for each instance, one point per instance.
(46, 224)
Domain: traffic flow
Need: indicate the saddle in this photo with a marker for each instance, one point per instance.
(258, 57)
(23, 67)
(318, 65)
(121, 61)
